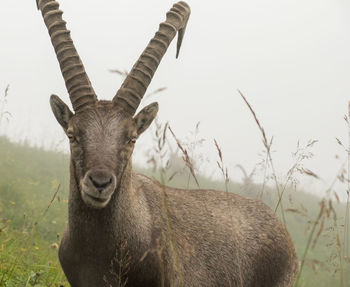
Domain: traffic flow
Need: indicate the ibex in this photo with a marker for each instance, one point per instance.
(125, 229)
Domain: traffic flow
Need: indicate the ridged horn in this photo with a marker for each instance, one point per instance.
(77, 82)
(134, 86)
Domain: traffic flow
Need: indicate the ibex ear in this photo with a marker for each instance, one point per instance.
(61, 111)
(145, 117)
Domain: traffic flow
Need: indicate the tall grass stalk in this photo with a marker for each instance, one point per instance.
(167, 244)
(267, 145)
(346, 223)
(4, 114)
(309, 241)
(223, 169)
(345, 253)
(186, 158)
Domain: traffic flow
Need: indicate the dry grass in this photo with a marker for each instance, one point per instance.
(185, 156)
(167, 244)
(327, 215)
(4, 114)
(267, 145)
(222, 168)
(347, 215)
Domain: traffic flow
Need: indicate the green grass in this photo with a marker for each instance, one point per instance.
(31, 227)
(29, 237)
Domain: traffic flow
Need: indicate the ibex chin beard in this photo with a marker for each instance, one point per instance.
(97, 188)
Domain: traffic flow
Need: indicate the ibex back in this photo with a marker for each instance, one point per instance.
(125, 229)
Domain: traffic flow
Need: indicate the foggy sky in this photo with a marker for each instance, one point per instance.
(290, 58)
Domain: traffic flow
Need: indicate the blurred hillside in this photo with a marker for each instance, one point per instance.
(33, 214)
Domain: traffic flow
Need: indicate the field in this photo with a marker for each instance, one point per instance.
(33, 212)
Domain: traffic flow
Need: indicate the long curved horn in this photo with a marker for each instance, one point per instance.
(134, 86)
(77, 82)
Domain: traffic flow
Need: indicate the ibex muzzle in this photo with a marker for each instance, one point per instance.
(125, 229)
(97, 187)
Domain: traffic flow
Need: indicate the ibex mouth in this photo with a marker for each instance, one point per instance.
(97, 187)
(94, 202)
(97, 198)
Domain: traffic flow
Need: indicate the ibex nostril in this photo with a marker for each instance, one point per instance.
(100, 180)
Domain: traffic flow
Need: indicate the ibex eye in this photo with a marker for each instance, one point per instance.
(70, 136)
(133, 140)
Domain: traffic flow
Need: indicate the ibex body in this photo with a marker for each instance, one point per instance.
(125, 229)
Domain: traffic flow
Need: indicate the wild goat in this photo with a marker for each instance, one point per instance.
(125, 229)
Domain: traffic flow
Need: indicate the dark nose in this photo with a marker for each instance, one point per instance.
(100, 179)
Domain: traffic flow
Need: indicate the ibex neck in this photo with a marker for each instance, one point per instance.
(122, 219)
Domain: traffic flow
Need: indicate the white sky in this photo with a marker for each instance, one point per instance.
(290, 58)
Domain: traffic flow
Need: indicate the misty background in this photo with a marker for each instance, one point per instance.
(291, 59)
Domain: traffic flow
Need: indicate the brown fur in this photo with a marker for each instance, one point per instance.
(125, 229)
(153, 235)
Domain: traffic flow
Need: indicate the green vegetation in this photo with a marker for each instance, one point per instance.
(33, 214)
(29, 232)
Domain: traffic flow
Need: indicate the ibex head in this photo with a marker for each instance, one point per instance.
(102, 134)
(102, 138)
